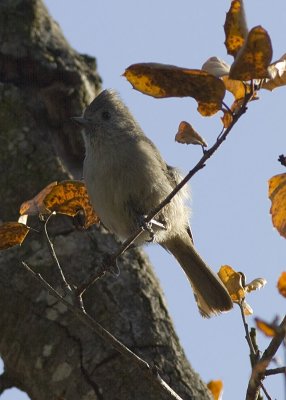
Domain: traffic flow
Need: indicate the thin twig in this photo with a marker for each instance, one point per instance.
(100, 272)
(258, 372)
(94, 326)
(253, 338)
(254, 354)
(66, 286)
(275, 371)
(226, 107)
(265, 391)
(153, 213)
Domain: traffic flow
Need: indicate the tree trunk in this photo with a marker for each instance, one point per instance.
(46, 351)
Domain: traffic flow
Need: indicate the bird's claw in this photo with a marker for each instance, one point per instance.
(148, 227)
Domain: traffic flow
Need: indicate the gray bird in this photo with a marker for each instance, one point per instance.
(126, 178)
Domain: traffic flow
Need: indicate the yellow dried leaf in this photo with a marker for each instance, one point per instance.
(281, 284)
(36, 206)
(12, 233)
(187, 135)
(233, 282)
(277, 72)
(269, 329)
(227, 118)
(235, 27)
(253, 59)
(237, 88)
(237, 288)
(159, 80)
(69, 197)
(277, 195)
(256, 284)
(216, 389)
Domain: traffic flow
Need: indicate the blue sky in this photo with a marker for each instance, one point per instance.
(230, 208)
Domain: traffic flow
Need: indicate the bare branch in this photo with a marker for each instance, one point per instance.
(265, 392)
(259, 370)
(254, 352)
(275, 371)
(151, 373)
(64, 282)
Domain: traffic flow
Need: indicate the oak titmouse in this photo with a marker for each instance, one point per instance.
(126, 178)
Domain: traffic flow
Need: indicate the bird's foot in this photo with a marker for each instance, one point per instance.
(150, 226)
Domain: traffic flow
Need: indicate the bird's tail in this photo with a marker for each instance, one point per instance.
(210, 293)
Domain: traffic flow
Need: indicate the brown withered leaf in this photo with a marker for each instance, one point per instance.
(36, 206)
(216, 389)
(216, 66)
(160, 80)
(187, 135)
(69, 197)
(254, 57)
(277, 72)
(281, 284)
(12, 233)
(269, 329)
(227, 118)
(235, 28)
(277, 195)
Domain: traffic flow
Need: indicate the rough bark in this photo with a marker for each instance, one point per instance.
(47, 352)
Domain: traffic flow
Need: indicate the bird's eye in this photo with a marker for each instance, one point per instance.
(105, 115)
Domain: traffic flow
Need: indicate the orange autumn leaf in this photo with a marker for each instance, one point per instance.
(277, 195)
(253, 59)
(237, 88)
(237, 288)
(235, 28)
(187, 135)
(12, 233)
(69, 197)
(160, 80)
(269, 329)
(233, 282)
(36, 206)
(216, 389)
(281, 284)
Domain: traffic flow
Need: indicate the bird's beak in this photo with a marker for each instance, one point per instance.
(80, 120)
